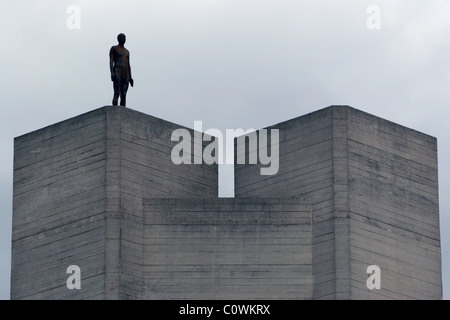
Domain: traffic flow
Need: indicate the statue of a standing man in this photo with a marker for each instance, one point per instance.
(119, 64)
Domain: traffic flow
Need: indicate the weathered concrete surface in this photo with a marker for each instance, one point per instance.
(373, 187)
(227, 249)
(100, 191)
(393, 208)
(59, 209)
(78, 186)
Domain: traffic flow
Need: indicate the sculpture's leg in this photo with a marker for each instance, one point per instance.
(115, 100)
(123, 93)
(123, 101)
(116, 85)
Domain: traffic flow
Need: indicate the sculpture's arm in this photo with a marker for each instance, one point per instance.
(111, 63)
(129, 67)
(129, 71)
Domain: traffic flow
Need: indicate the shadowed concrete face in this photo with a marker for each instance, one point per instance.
(373, 187)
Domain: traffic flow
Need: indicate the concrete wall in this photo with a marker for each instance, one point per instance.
(59, 208)
(227, 249)
(100, 191)
(306, 172)
(139, 165)
(78, 189)
(394, 208)
(372, 185)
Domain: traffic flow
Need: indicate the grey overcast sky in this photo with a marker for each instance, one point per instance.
(231, 64)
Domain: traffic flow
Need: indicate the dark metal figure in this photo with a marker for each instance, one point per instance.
(119, 64)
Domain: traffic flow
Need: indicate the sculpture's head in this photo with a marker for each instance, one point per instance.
(121, 38)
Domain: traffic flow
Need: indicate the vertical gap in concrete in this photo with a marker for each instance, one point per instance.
(226, 168)
(341, 202)
(226, 180)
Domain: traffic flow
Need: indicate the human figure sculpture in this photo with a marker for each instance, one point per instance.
(119, 65)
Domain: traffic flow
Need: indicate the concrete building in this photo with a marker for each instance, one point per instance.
(100, 191)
